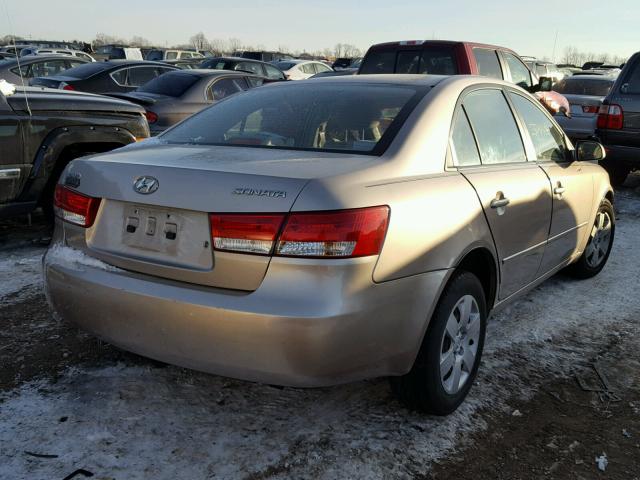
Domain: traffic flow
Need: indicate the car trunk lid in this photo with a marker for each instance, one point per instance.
(154, 218)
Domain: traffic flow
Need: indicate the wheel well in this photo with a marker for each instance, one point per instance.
(480, 262)
(609, 196)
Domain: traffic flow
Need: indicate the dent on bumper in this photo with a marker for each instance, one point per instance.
(303, 327)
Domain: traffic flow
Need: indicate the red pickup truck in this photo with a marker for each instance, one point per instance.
(443, 57)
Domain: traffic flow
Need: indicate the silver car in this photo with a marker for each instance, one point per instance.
(310, 234)
(585, 94)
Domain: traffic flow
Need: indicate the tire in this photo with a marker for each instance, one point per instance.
(424, 388)
(598, 248)
(617, 173)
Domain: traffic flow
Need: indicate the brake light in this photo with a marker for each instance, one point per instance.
(336, 234)
(74, 207)
(246, 233)
(610, 117)
(345, 233)
(66, 86)
(151, 116)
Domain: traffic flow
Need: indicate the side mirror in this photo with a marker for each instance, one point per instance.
(545, 84)
(589, 151)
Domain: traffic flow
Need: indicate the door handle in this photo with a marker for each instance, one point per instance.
(499, 202)
(559, 190)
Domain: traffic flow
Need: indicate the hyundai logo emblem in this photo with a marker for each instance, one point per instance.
(146, 185)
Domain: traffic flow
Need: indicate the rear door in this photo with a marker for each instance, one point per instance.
(515, 194)
(571, 183)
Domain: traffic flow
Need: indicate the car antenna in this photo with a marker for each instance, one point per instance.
(15, 48)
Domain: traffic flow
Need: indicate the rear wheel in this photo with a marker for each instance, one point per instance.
(598, 248)
(448, 361)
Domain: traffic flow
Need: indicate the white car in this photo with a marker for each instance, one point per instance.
(56, 51)
(302, 69)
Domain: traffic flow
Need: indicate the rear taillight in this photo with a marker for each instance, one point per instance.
(347, 233)
(610, 117)
(590, 109)
(152, 117)
(74, 207)
(245, 233)
(66, 86)
(336, 234)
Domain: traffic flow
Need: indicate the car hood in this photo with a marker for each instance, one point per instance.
(47, 99)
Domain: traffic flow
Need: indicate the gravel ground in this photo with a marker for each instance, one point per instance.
(86, 405)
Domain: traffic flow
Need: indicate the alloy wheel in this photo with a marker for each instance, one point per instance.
(599, 240)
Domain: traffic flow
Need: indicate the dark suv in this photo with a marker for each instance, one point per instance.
(618, 126)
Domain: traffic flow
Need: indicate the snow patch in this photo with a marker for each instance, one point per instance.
(20, 273)
(65, 256)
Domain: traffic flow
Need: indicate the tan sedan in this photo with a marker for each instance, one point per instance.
(310, 234)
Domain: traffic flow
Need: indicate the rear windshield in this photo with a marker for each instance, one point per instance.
(345, 118)
(596, 87)
(218, 64)
(87, 69)
(172, 84)
(430, 60)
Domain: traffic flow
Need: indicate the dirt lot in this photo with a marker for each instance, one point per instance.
(69, 401)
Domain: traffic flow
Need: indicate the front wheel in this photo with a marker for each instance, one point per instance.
(598, 248)
(448, 361)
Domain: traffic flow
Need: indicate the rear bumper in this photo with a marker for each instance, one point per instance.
(306, 325)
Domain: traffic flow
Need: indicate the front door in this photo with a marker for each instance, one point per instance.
(571, 183)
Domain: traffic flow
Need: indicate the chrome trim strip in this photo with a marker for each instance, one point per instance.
(549, 240)
(9, 173)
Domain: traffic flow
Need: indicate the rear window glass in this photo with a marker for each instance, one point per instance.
(596, 87)
(170, 84)
(328, 118)
(285, 65)
(487, 61)
(87, 69)
(430, 60)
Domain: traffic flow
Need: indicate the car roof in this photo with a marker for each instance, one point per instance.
(385, 79)
(236, 59)
(208, 72)
(35, 58)
(592, 77)
(421, 43)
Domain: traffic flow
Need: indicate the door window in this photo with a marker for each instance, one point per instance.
(631, 83)
(254, 81)
(495, 128)
(463, 145)
(45, 69)
(273, 73)
(547, 140)
(520, 74)
(250, 67)
(320, 67)
(488, 64)
(140, 75)
(308, 68)
(224, 88)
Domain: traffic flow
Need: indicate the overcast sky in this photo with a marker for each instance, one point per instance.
(591, 26)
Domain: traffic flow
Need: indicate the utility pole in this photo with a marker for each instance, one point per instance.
(553, 55)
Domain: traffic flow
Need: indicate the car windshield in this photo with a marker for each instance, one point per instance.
(87, 69)
(285, 65)
(354, 118)
(597, 87)
(172, 84)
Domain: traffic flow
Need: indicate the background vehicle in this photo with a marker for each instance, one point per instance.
(618, 124)
(174, 96)
(301, 69)
(261, 69)
(36, 66)
(543, 68)
(106, 77)
(185, 64)
(585, 94)
(344, 63)
(264, 56)
(117, 52)
(443, 57)
(63, 126)
(56, 51)
(284, 222)
(161, 54)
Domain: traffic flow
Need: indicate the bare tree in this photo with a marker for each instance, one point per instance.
(104, 39)
(235, 44)
(337, 50)
(137, 41)
(219, 46)
(200, 42)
